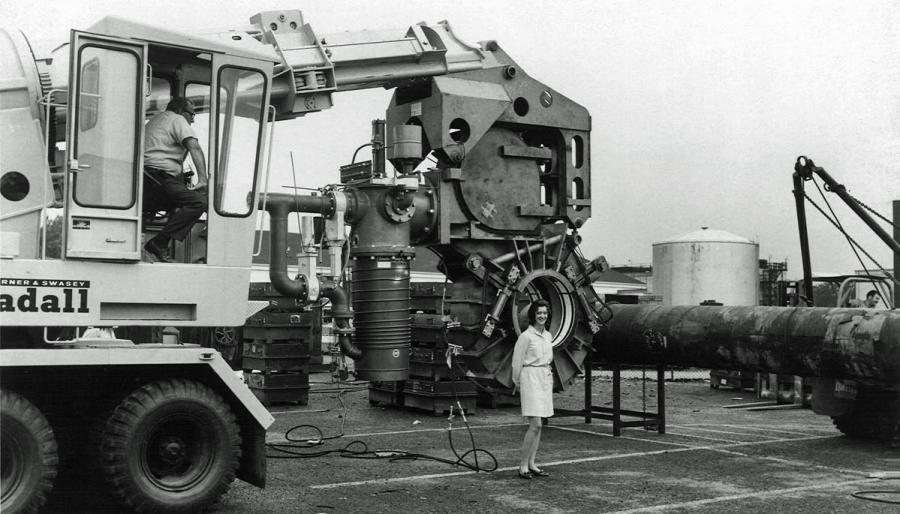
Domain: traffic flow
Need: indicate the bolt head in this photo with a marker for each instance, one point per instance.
(546, 98)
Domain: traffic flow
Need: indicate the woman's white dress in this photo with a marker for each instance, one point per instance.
(531, 372)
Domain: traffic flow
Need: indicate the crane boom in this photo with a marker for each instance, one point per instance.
(308, 67)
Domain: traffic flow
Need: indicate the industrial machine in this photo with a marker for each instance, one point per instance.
(168, 426)
(806, 170)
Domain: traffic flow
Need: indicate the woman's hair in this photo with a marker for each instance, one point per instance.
(532, 311)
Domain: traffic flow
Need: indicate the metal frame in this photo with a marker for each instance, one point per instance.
(647, 420)
(804, 169)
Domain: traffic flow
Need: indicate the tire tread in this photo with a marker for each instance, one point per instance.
(119, 428)
(17, 408)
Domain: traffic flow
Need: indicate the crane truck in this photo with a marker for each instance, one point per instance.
(166, 427)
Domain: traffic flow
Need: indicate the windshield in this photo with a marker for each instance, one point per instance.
(241, 110)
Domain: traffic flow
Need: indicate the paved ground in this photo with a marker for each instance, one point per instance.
(711, 459)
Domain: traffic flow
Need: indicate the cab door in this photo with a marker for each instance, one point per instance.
(103, 148)
(239, 107)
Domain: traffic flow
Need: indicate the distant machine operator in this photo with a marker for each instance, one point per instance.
(168, 139)
(870, 302)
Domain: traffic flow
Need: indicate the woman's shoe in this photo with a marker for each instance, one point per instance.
(538, 472)
(527, 475)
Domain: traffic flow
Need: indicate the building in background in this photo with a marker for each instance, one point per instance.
(706, 265)
(639, 272)
(613, 282)
(772, 287)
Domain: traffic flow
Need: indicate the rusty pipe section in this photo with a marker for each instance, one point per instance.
(806, 341)
(279, 206)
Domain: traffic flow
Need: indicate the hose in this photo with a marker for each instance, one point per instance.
(867, 494)
(359, 450)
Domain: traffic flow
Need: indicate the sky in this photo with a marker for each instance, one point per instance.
(699, 107)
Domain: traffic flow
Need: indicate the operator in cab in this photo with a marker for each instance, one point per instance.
(870, 302)
(168, 139)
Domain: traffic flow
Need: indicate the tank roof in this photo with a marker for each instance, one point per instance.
(707, 235)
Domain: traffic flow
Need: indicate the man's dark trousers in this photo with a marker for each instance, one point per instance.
(185, 206)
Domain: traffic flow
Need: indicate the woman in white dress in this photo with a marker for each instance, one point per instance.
(534, 380)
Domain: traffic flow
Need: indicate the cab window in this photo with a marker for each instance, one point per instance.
(107, 124)
(240, 127)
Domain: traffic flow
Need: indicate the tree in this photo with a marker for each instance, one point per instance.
(54, 237)
(825, 294)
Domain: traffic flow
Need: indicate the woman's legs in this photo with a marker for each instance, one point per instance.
(530, 443)
(537, 442)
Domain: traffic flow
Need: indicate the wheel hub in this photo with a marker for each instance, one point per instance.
(172, 450)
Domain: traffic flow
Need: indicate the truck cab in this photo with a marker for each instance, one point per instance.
(115, 84)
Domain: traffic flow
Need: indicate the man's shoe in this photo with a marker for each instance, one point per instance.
(156, 251)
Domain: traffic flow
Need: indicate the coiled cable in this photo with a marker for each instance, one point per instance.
(295, 447)
(871, 494)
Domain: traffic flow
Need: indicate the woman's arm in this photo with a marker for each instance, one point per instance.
(518, 359)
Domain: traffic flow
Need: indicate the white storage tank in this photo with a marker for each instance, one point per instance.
(706, 265)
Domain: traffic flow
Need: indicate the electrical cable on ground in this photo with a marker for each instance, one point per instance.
(357, 449)
(867, 494)
(397, 455)
(290, 449)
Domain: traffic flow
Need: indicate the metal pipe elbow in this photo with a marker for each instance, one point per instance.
(341, 313)
(290, 287)
(278, 266)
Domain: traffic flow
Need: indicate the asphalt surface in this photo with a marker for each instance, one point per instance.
(711, 459)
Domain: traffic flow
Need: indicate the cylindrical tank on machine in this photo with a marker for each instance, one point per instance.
(381, 317)
(380, 250)
(706, 265)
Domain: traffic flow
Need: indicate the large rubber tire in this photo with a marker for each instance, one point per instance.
(28, 453)
(171, 446)
(875, 426)
(876, 419)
